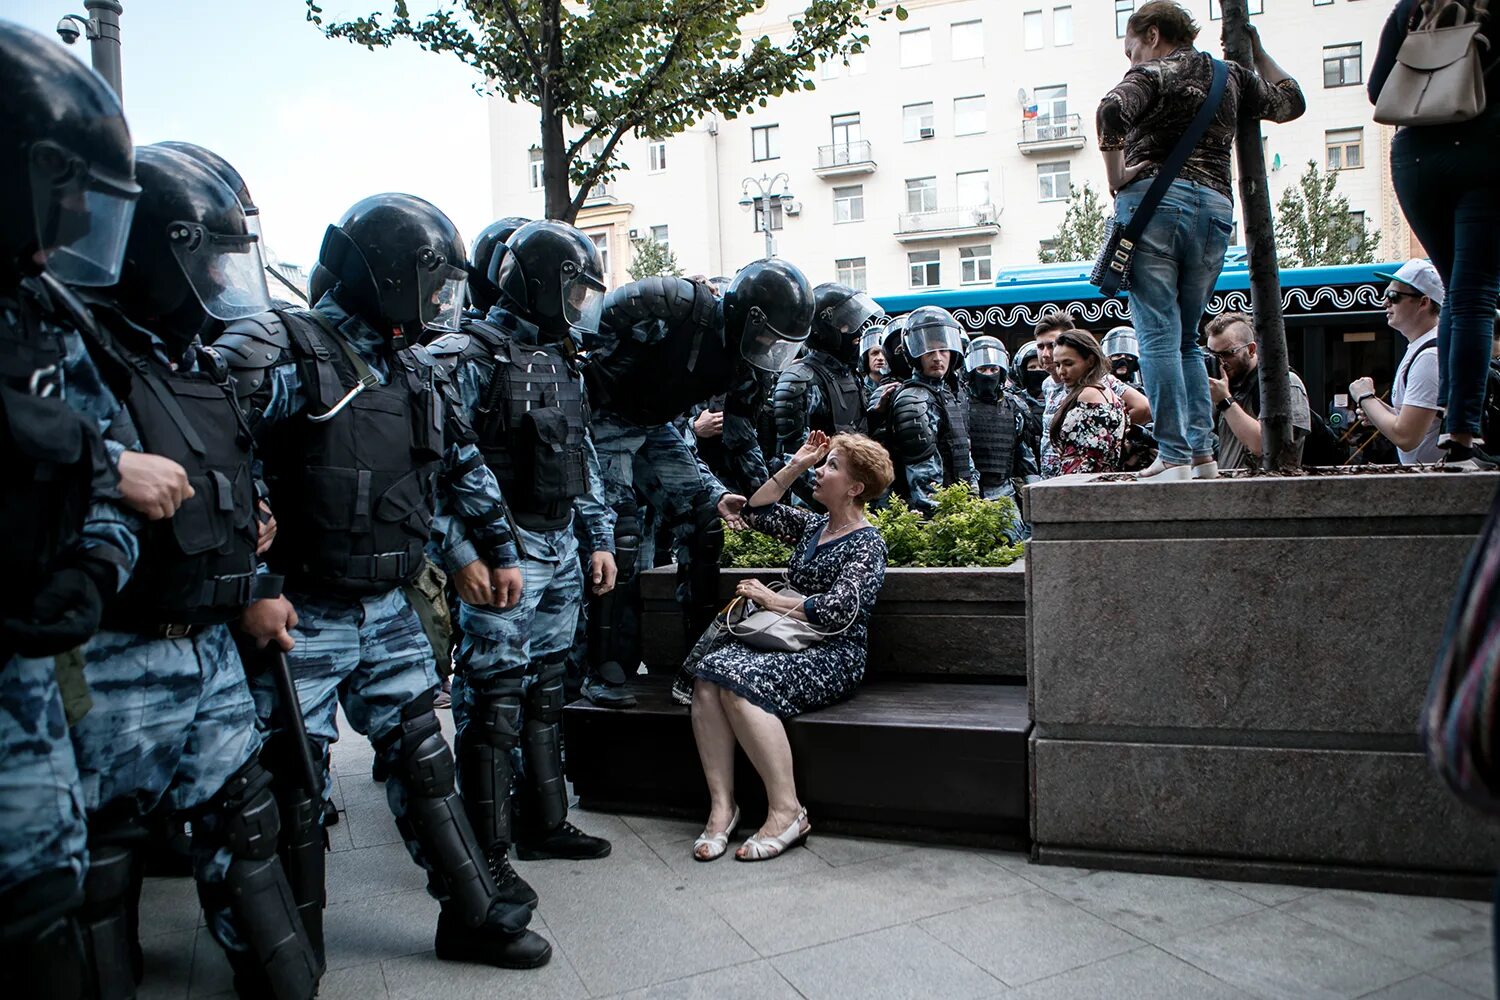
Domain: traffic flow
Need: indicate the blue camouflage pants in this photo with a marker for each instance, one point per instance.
(41, 805)
(368, 654)
(172, 721)
(654, 460)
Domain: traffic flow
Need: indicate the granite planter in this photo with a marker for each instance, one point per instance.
(1225, 677)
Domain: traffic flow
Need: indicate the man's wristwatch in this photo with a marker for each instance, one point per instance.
(1224, 404)
(1360, 401)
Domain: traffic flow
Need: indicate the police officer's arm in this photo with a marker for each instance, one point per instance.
(923, 478)
(741, 444)
(597, 516)
(1028, 462)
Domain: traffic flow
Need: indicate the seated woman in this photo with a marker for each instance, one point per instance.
(740, 693)
(1089, 426)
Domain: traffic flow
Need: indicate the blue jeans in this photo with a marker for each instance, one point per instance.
(1177, 261)
(1445, 182)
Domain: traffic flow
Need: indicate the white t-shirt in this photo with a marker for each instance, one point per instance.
(1417, 385)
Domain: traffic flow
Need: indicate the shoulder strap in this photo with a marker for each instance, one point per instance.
(1180, 153)
(1405, 375)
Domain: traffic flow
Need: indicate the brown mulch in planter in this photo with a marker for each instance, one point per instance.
(1320, 471)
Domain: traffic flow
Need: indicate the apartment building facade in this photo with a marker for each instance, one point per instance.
(947, 150)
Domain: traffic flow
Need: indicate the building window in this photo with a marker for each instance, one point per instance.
(968, 40)
(925, 267)
(968, 115)
(601, 241)
(1358, 218)
(857, 64)
(917, 122)
(1216, 12)
(851, 271)
(535, 169)
(659, 235)
(846, 131)
(1322, 3)
(658, 157)
(831, 69)
(973, 188)
(974, 265)
(1053, 182)
(1047, 246)
(916, 47)
(1343, 65)
(1062, 25)
(765, 142)
(921, 194)
(1345, 148)
(777, 219)
(1051, 112)
(1123, 10)
(1031, 29)
(849, 203)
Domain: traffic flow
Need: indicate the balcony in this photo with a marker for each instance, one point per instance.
(1041, 135)
(948, 223)
(600, 194)
(843, 159)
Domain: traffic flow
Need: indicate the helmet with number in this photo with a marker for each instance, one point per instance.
(66, 164)
(987, 353)
(873, 339)
(895, 348)
(550, 274)
(768, 312)
(482, 291)
(930, 329)
(190, 254)
(840, 315)
(398, 262)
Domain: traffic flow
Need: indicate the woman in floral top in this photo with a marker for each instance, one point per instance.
(1089, 426)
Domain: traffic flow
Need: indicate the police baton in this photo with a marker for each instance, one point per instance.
(286, 692)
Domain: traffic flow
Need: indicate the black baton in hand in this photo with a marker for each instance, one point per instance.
(286, 691)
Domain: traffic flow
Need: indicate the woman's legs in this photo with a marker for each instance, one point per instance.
(1468, 320)
(715, 740)
(1212, 223)
(764, 738)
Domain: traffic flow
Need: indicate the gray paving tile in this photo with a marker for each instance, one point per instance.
(357, 786)
(211, 973)
(424, 977)
(1474, 973)
(1022, 938)
(751, 981)
(1421, 931)
(372, 871)
(1274, 954)
(169, 963)
(656, 830)
(1419, 988)
(1155, 908)
(339, 838)
(379, 928)
(1143, 974)
(840, 851)
(370, 823)
(1269, 893)
(1045, 876)
(899, 963)
(799, 913)
(169, 905)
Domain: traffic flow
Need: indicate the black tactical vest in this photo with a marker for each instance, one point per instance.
(532, 428)
(953, 430)
(51, 452)
(842, 393)
(198, 566)
(992, 438)
(354, 494)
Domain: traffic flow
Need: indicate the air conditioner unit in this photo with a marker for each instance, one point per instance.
(635, 234)
(926, 133)
(792, 208)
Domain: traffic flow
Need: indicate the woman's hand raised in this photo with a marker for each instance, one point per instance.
(813, 451)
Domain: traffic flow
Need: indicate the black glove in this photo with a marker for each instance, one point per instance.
(65, 614)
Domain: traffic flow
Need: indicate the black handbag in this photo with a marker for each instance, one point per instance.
(1111, 273)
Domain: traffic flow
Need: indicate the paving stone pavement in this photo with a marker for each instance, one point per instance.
(846, 918)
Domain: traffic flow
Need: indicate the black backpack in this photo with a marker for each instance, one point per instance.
(1323, 446)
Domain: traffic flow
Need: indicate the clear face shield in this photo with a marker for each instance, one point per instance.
(82, 216)
(225, 270)
(853, 313)
(984, 353)
(582, 299)
(929, 338)
(441, 289)
(874, 339)
(766, 347)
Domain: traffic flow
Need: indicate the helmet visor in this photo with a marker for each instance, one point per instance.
(853, 313)
(985, 355)
(441, 292)
(225, 271)
(82, 217)
(927, 339)
(582, 302)
(766, 347)
(873, 337)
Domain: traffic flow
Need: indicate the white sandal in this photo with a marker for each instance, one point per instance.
(766, 848)
(717, 842)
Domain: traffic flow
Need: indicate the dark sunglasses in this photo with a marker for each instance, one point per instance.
(1391, 295)
(1226, 355)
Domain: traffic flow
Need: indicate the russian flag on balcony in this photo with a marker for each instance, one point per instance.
(1028, 112)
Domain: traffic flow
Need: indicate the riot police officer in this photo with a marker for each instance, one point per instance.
(516, 376)
(483, 295)
(665, 344)
(1000, 439)
(1124, 353)
(165, 645)
(67, 191)
(362, 429)
(1029, 378)
(821, 390)
(873, 367)
(928, 424)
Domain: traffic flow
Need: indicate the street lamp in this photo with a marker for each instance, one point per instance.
(765, 188)
(102, 28)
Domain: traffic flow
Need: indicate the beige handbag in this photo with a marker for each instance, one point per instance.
(1438, 78)
(773, 631)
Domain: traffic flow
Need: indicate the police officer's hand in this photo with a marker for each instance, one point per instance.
(730, 506)
(152, 485)
(267, 528)
(473, 584)
(270, 620)
(602, 572)
(505, 587)
(709, 424)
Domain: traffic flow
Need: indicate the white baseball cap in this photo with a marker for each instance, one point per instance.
(1419, 274)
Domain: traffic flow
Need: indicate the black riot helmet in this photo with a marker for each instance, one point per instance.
(482, 291)
(399, 264)
(895, 348)
(932, 328)
(840, 315)
(987, 352)
(319, 283)
(225, 171)
(66, 164)
(550, 274)
(190, 255)
(768, 311)
(873, 337)
(1028, 381)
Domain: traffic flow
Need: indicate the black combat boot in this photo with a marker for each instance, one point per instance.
(563, 842)
(512, 887)
(492, 942)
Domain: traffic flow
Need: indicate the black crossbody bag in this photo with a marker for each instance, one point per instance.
(1111, 273)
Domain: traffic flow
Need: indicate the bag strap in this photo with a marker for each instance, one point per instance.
(1180, 152)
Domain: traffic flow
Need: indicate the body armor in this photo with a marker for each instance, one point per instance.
(841, 392)
(354, 494)
(992, 438)
(911, 428)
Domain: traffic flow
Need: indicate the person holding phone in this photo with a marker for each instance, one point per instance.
(1233, 361)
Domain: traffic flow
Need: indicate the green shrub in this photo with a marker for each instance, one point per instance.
(964, 530)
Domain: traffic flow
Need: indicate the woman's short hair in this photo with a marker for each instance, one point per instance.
(1176, 25)
(867, 462)
(1060, 320)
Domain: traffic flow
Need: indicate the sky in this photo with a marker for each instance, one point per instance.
(312, 124)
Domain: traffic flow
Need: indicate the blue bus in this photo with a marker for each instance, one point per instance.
(1335, 316)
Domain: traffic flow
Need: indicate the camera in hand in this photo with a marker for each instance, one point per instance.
(1214, 366)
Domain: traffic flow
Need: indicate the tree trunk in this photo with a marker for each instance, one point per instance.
(1265, 273)
(556, 189)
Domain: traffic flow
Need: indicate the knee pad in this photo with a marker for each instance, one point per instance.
(485, 771)
(282, 960)
(244, 814)
(545, 696)
(423, 760)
